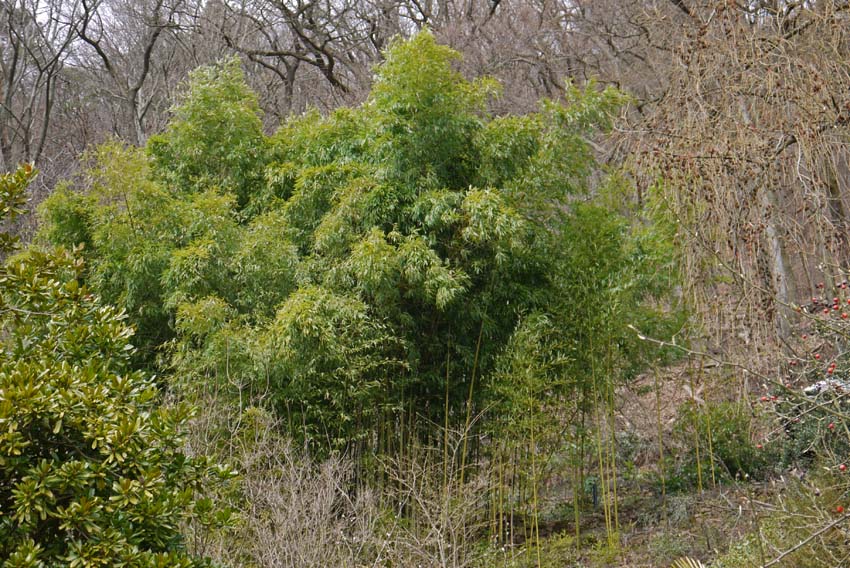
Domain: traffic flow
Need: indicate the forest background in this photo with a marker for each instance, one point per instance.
(428, 318)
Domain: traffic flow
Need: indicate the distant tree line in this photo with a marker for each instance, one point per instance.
(74, 73)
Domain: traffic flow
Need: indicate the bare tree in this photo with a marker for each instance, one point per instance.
(128, 44)
(305, 44)
(35, 36)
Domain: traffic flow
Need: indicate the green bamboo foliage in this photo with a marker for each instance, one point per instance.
(410, 273)
(215, 137)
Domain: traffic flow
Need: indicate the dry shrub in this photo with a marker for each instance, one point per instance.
(300, 512)
(443, 519)
(297, 511)
(292, 510)
(749, 140)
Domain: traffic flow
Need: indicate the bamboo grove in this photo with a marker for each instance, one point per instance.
(413, 282)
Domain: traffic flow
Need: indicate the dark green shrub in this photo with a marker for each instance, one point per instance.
(92, 471)
(724, 432)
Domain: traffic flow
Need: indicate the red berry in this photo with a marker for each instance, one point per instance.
(820, 284)
(830, 370)
(842, 467)
(817, 355)
(826, 310)
(805, 336)
(764, 399)
(844, 315)
(831, 426)
(773, 398)
(839, 509)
